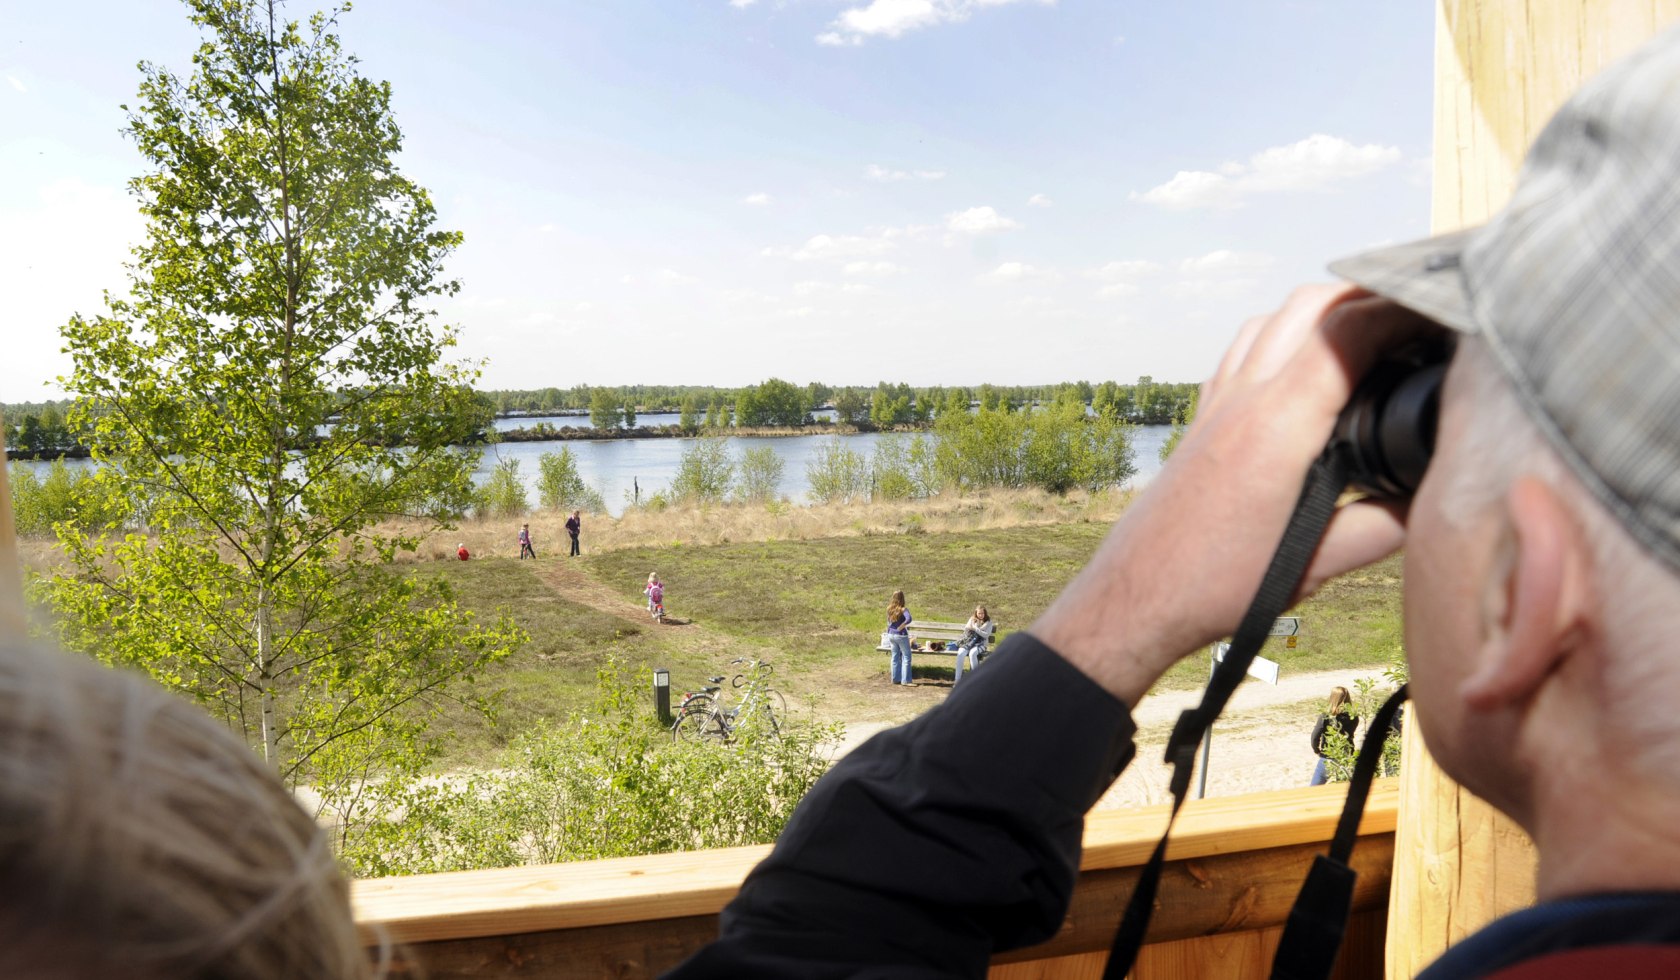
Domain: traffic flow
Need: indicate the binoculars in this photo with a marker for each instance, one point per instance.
(1388, 426)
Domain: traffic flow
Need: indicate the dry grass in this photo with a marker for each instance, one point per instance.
(734, 523)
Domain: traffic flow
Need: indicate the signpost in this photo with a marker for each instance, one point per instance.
(1261, 669)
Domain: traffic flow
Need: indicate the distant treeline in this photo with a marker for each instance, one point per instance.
(38, 430)
(884, 406)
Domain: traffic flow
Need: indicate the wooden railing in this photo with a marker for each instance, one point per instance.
(1233, 868)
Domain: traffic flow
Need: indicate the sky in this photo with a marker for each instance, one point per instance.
(714, 192)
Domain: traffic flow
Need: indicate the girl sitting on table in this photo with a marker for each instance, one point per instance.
(976, 636)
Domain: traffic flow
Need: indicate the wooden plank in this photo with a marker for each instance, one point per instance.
(1215, 895)
(502, 901)
(507, 901)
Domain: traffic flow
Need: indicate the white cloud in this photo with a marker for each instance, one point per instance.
(1021, 272)
(894, 18)
(1122, 269)
(1224, 262)
(17, 83)
(819, 247)
(546, 229)
(741, 4)
(877, 172)
(757, 200)
(1041, 201)
(1118, 289)
(873, 269)
(1315, 163)
(979, 221)
(671, 277)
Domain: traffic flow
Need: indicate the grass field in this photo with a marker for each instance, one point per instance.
(815, 609)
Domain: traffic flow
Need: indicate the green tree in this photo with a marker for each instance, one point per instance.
(850, 407)
(503, 493)
(605, 410)
(275, 387)
(629, 413)
(559, 487)
(703, 473)
(689, 420)
(760, 475)
(837, 474)
(1182, 422)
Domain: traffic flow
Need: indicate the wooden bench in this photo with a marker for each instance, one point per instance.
(924, 633)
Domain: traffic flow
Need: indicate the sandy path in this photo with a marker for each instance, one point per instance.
(1261, 742)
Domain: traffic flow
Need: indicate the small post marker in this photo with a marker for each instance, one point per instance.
(1261, 669)
(662, 695)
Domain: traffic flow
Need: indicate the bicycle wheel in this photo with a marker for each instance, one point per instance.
(699, 720)
(772, 711)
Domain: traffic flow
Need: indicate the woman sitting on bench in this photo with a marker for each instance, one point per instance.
(976, 636)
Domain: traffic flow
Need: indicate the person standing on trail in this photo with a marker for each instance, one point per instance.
(1344, 722)
(574, 524)
(525, 549)
(898, 637)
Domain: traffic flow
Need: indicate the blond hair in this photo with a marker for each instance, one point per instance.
(1339, 699)
(142, 839)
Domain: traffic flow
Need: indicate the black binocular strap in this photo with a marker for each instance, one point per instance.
(1312, 935)
(1317, 504)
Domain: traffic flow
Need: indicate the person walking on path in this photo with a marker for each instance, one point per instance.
(525, 549)
(898, 637)
(574, 524)
(1345, 723)
(976, 637)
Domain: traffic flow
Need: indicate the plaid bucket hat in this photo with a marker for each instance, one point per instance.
(1575, 286)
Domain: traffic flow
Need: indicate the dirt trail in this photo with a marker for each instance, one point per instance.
(573, 585)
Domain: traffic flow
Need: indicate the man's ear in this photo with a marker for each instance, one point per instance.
(1544, 602)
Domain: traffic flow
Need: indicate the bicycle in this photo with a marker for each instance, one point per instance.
(702, 714)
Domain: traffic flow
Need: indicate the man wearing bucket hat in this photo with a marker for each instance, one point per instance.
(1542, 588)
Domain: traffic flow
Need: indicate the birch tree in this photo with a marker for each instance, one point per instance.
(275, 386)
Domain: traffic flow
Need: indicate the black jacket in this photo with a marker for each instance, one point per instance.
(1345, 723)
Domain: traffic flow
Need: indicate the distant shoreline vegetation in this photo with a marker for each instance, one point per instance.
(38, 431)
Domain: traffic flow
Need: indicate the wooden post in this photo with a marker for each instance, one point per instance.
(12, 621)
(1501, 70)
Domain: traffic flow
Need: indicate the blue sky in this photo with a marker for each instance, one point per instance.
(719, 191)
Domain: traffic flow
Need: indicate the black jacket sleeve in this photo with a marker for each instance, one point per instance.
(937, 843)
(1318, 734)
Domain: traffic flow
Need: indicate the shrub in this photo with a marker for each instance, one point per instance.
(75, 496)
(559, 487)
(610, 783)
(837, 474)
(703, 473)
(502, 494)
(759, 475)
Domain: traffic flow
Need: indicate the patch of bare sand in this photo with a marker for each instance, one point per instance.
(1262, 742)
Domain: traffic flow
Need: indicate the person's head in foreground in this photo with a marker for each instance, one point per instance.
(1543, 548)
(139, 838)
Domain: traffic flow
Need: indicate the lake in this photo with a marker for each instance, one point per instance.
(615, 467)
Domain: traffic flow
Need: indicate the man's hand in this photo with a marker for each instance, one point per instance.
(1183, 563)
